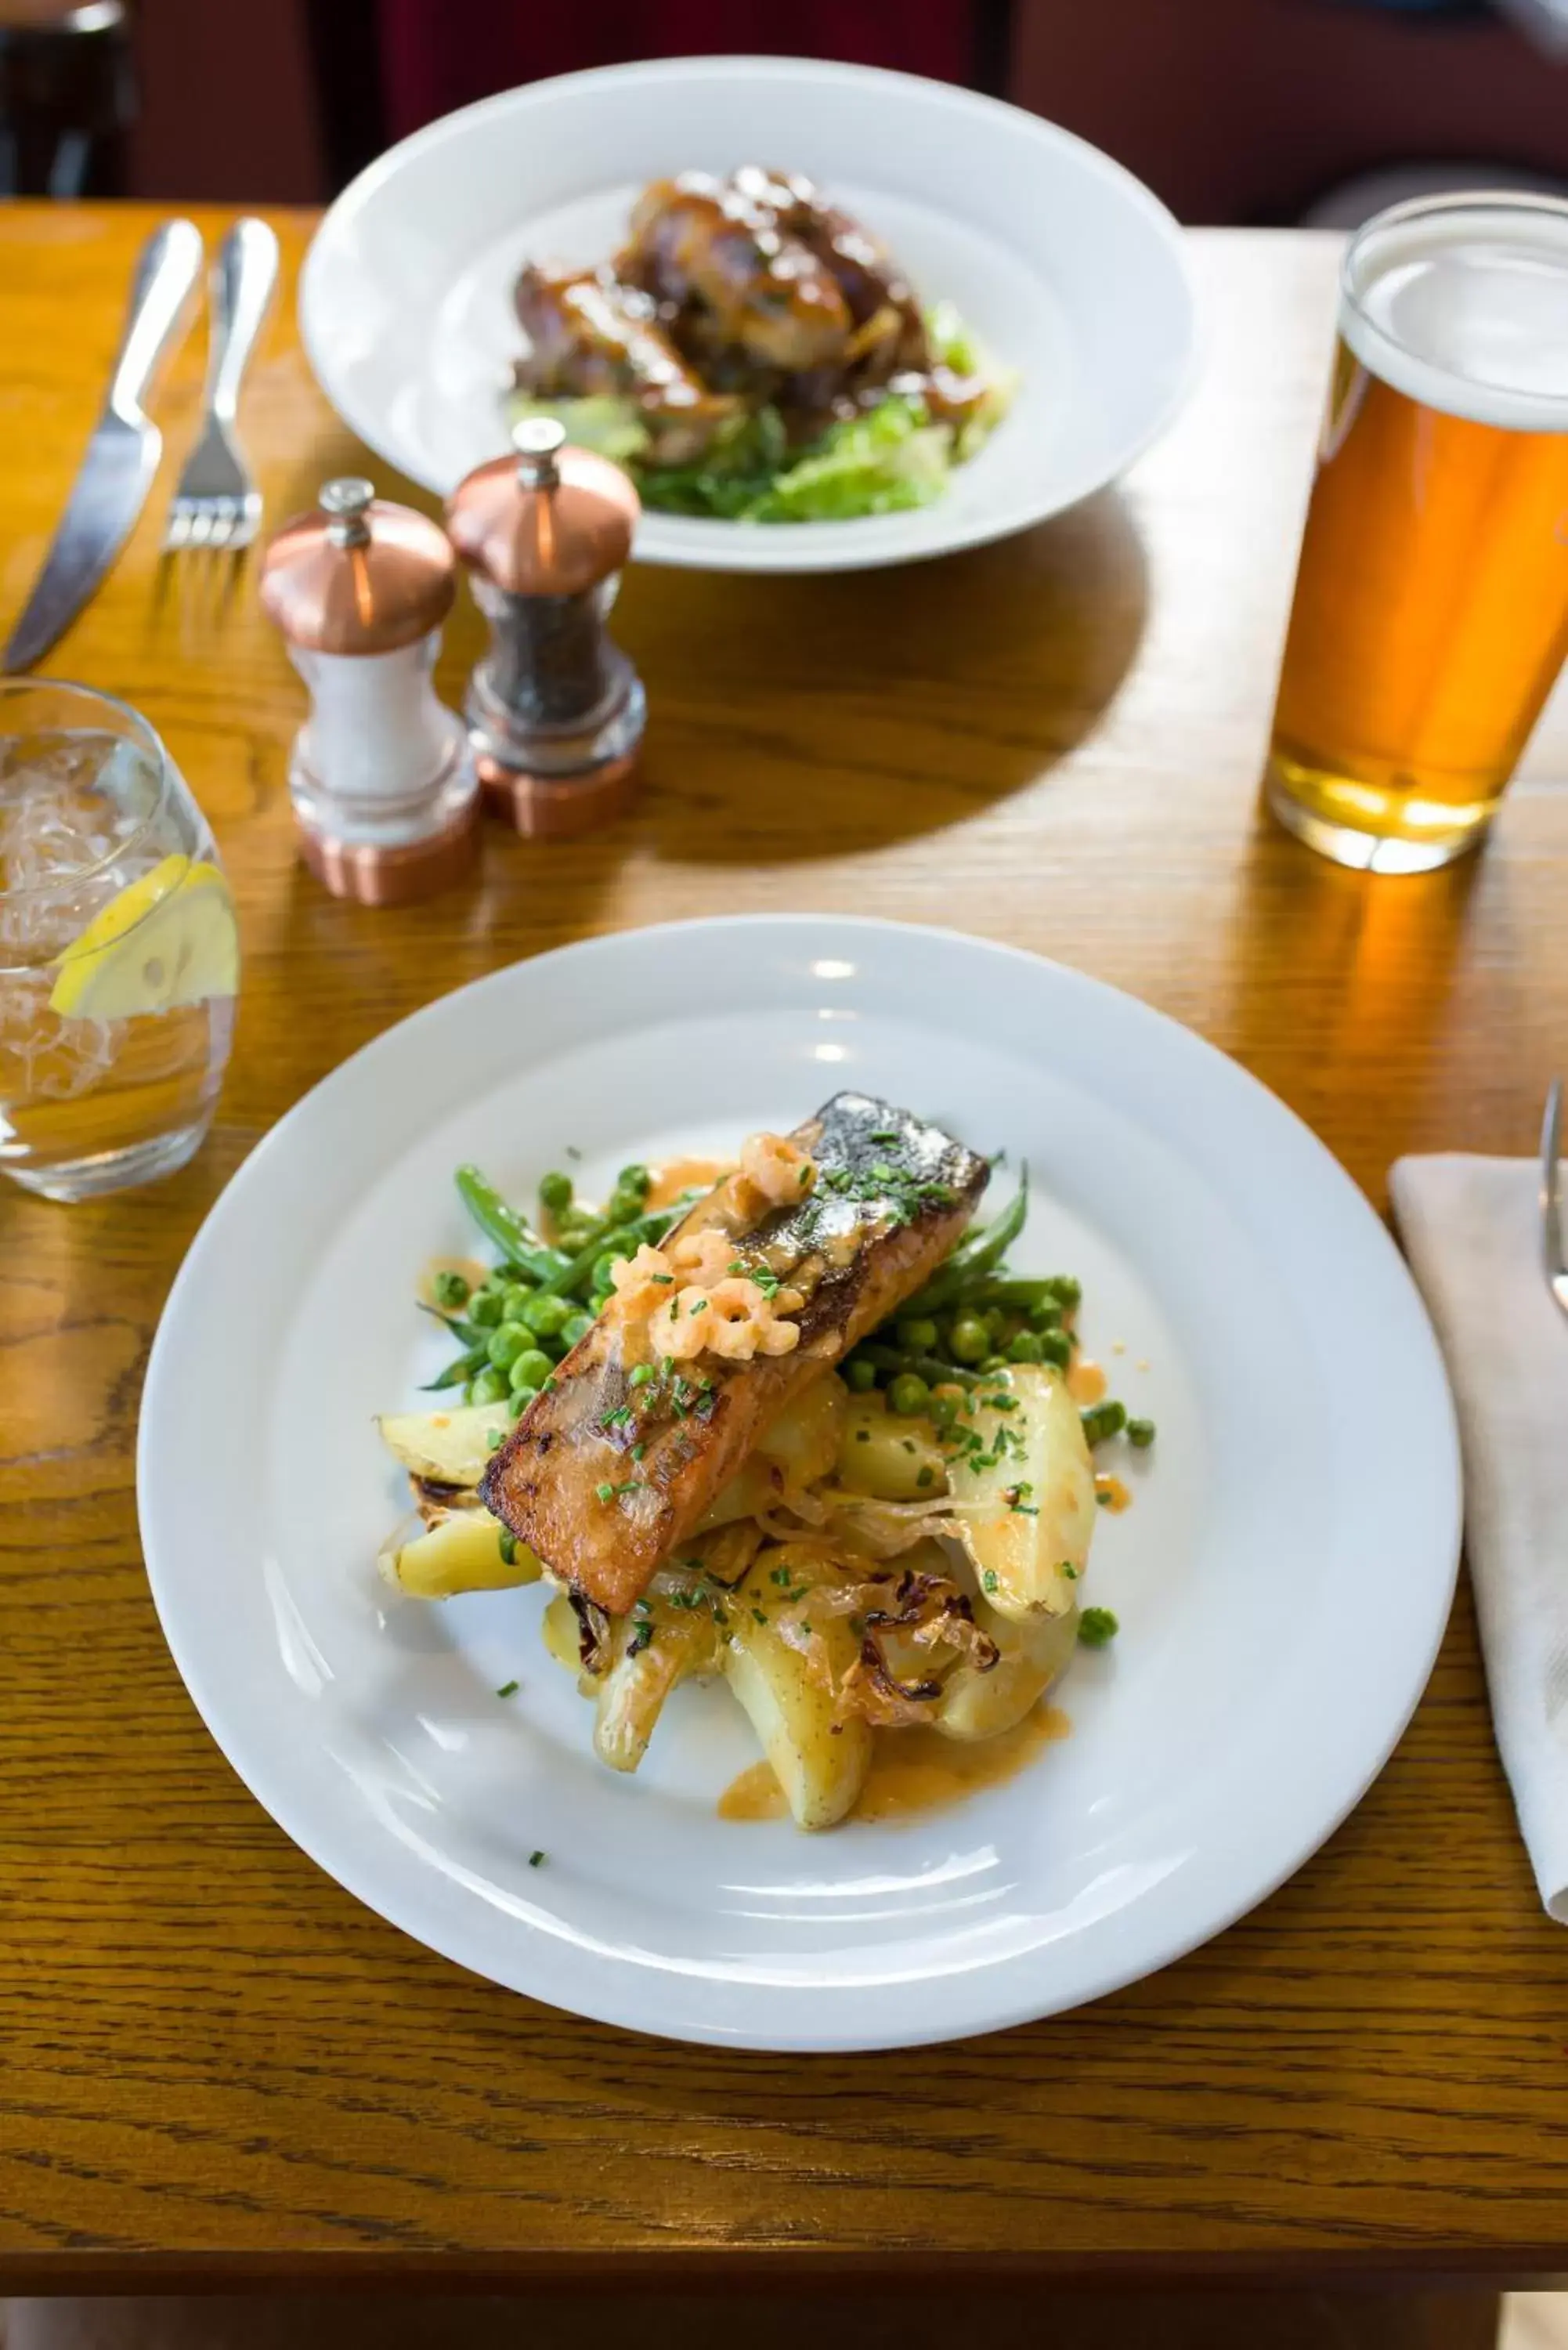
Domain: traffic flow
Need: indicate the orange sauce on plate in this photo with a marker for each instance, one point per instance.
(673, 1176)
(473, 1272)
(1112, 1494)
(912, 1771)
(1085, 1381)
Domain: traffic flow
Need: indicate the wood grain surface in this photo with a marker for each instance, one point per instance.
(216, 2064)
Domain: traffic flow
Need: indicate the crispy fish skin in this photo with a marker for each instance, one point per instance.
(892, 1196)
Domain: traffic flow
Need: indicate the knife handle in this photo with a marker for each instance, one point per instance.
(243, 278)
(169, 268)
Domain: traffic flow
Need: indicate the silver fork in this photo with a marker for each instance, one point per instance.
(217, 503)
(1556, 1271)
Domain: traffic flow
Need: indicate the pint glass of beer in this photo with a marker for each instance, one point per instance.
(1432, 605)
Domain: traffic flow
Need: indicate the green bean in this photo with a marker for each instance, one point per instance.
(929, 1367)
(1104, 1420)
(457, 1371)
(909, 1395)
(516, 1240)
(555, 1193)
(603, 1276)
(467, 1333)
(977, 1256)
(1140, 1434)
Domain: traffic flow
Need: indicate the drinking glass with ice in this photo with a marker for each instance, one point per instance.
(118, 952)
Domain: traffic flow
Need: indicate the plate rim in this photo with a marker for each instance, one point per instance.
(235, 1742)
(727, 553)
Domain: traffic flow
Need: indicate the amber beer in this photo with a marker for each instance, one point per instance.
(1432, 605)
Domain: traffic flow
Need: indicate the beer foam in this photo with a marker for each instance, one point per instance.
(1463, 306)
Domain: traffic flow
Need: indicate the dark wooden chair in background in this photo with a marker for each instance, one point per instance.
(68, 93)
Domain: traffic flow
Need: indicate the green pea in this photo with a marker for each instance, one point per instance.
(556, 1193)
(1104, 1420)
(920, 1334)
(603, 1272)
(531, 1368)
(600, 1300)
(520, 1400)
(514, 1298)
(859, 1376)
(1065, 1289)
(1027, 1348)
(507, 1343)
(545, 1316)
(635, 1180)
(1056, 1346)
(485, 1309)
(943, 1409)
(624, 1207)
(1046, 1315)
(968, 1340)
(489, 1387)
(1140, 1434)
(909, 1395)
(575, 1229)
(995, 1320)
(994, 1363)
(450, 1290)
(578, 1328)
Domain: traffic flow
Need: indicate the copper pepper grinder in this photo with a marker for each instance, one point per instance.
(382, 782)
(555, 710)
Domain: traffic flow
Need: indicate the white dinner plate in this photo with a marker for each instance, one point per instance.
(1067, 267)
(1282, 1577)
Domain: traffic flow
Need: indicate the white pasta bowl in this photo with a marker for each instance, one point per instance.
(1066, 266)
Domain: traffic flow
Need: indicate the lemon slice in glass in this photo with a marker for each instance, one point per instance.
(167, 940)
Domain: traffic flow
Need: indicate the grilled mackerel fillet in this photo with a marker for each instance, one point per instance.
(892, 1196)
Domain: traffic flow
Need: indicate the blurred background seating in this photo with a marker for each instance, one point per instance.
(1234, 110)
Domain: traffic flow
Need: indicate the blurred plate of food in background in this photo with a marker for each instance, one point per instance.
(831, 317)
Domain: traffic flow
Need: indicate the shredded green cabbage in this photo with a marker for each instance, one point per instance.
(893, 457)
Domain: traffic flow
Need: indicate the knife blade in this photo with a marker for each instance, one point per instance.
(122, 456)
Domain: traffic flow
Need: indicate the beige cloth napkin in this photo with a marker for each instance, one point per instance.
(1471, 1229)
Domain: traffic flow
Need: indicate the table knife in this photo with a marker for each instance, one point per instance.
(122, 456)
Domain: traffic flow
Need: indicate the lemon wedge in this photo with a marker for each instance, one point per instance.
(167, 940)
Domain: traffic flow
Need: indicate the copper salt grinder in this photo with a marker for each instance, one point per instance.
(380, 775)
(555, 710)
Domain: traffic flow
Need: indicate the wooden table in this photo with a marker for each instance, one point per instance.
(211, 2055)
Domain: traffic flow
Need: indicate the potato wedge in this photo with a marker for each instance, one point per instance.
(452, 1447)
(789, 1693)
(803, 1440)
(1023, 1494)
(651, 1650)
(975, 1705)
(888, 1457)
(466, 1550)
